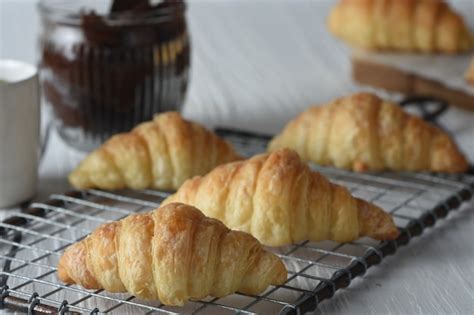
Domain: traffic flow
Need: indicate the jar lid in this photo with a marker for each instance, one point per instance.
(72, 12)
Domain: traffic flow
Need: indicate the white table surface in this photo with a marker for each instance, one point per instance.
(255, 65)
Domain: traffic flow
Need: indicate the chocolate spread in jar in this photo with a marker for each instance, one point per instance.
(105, 74)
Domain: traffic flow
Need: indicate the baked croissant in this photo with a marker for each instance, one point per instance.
(159, 154)
(363, 132)
(173, 254)
(470, 73)
(279, 200)
(425, 26)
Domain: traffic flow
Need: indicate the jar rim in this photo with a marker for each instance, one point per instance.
(74, 17)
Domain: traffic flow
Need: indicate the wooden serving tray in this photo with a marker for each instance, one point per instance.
(377, 73)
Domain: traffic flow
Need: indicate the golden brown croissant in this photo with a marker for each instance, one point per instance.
(425, 26)
(159, 154)
(173, 254)
(363, 132)
(470, 73)
(279, 200)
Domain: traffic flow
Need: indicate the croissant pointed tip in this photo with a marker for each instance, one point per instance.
(77, 180)
(386, 232)
(281, 274)
(266, 269)
(72, 267)
(62, 272)
(376, 223)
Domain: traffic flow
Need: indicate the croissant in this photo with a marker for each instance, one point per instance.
(173, 254)
(159, 154)
(279, 200)
(363, 132)
(425, 26)
(470, 73)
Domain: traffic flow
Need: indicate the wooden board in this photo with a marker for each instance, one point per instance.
(392, 79)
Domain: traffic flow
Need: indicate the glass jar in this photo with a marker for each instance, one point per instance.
(103, 73)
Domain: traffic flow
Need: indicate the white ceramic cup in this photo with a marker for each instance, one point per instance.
(19, 132)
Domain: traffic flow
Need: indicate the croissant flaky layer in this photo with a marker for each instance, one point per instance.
(280, 201)
(159, 154)
(363, 132)
(425, 26)
(173, 254)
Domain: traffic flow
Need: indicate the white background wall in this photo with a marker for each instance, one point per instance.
(20, 23)
(19, 28)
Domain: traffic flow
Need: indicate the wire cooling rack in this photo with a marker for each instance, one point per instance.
(33, 241)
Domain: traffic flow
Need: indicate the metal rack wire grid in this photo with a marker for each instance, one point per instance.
(33, 241)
